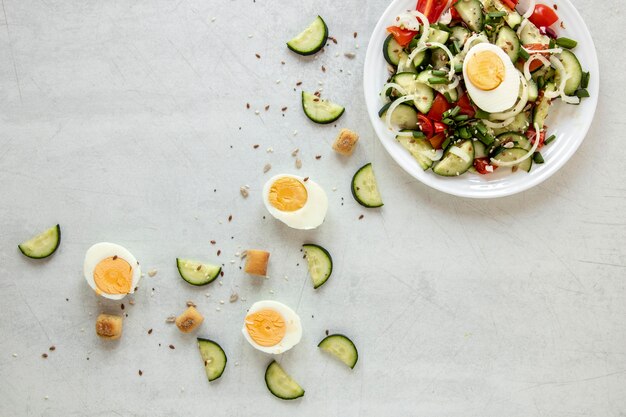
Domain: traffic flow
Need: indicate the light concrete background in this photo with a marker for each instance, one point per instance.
(125, 121)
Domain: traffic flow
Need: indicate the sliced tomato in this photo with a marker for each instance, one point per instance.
(402, 36)
(481, 165)
(466, 105)
(439, 127)
(439, 107)
(511, 4)
(543, 16)
(531, 135)
(454, 14)
(426, 126)
(536, 64)
(437, 140)
(432, 9)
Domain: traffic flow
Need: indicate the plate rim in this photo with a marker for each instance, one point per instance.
(373, 54)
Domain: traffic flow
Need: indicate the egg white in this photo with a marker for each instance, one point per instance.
(293, 327)
(313, 212)
(502, 97)
(104, 250)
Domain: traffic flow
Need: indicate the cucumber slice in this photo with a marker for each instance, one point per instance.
(519, 141)
(320, 111)
(404, 65)
(533, 91)
(281, 384)
(419, 148)
(520, 124)
(573, 70)
(442, 88)
(530, 34)
(507, 40)
(543, 106)
(364, 187)
(403, 117)
(42, 245)
(460, 35)
(480, 150)
(512, 18)
(320, 263)
(197, 273)
(437, 35)
(451, 164)
(311, 39)
(341, 347)
(392, 51)
(508, 155)
(214, 358)
(424, 94)
(439, 59)
(472, 14)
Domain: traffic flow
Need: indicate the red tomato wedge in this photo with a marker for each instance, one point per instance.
(437, 140)
(481, 165)
(511, 4)
(439, 107)
(466, 106)
(432, 9)
(543, 16)
(532, 135)
(536, 64)
(426, 126)
(402, 36)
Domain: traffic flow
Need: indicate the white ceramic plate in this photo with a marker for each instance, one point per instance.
(568, 122)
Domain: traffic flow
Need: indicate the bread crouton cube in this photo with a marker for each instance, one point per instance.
(346, 142)
(189, 320)
(109, 326)
(256, 262)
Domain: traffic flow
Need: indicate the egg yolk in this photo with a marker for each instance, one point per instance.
(287, 194)
(485, 70)
(113, 275)
(266, 327)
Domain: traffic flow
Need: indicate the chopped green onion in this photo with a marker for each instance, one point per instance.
(537, 158)
(584, 82)
(551, 44)
(438, 80)
(443, 27)
(458, 67)
(496, 14)
(582, 93)
(454, 48)
(461, 118)
(485, 138)
(447, 121)
(464, 133)
(439, 73)
(549, 139)
(448, 97)
(523, 54)
(418, 134)
(566, 43)
(445, 143)
(481, 128)
(452, 112)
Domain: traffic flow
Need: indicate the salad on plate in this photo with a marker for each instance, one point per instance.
(472, 81)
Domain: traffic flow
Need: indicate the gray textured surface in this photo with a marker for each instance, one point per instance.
(120, 118)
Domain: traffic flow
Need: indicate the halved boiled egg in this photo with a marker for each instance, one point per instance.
(490, 78)
(111, 270)
(298, 202)
(272, 327)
